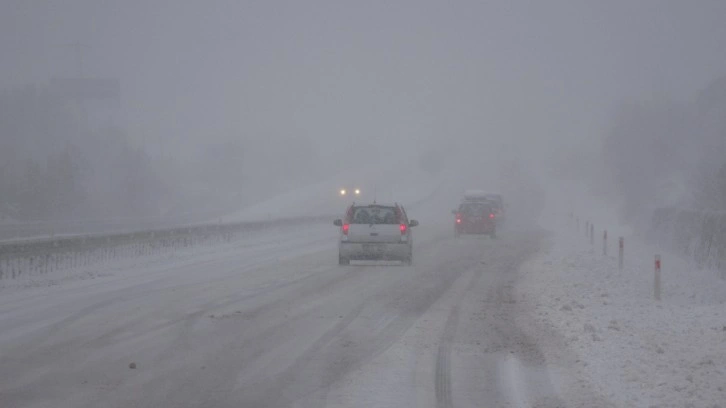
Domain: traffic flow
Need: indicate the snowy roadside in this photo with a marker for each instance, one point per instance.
(633, 350)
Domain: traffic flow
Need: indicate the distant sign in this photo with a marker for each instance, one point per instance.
(97, 89)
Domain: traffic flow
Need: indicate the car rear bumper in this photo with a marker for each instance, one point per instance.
(375, 250)
(476, 228)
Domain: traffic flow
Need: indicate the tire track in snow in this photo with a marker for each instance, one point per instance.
(443, 366)
(443, 390)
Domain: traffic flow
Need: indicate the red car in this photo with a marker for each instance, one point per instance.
(475, 218)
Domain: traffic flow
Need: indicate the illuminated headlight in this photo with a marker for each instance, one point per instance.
(357, 191)
(343, 192)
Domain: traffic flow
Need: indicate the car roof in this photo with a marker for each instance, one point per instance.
(487, 203)
(376, 204)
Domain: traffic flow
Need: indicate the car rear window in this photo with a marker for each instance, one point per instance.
(476, 210)
(485, 201)
(374, 215)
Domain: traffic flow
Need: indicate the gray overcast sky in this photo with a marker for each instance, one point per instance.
(412, 71)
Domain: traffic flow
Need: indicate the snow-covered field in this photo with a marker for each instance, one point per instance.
(632, 349)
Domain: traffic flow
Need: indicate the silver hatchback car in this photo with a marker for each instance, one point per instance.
(375, 231)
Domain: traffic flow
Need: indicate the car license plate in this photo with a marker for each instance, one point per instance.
(374, 247)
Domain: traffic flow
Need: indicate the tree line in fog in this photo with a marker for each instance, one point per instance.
(669, 154)
(54, 166)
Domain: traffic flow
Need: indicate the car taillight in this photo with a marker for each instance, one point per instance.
(491, 215)
(403, 229)
(458, 220)
(346, 227)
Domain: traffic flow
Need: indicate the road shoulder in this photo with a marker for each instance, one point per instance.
(602, 326)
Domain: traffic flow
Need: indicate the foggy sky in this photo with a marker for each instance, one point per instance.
(541, 74)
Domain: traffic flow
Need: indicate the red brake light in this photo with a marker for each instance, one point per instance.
(403, 228)
(491, 215)
(458, 220)
(346, 227)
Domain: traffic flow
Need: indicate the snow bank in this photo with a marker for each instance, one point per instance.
(634, 350)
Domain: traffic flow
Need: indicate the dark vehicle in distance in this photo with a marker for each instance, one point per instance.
(495, 200)
(475, 217)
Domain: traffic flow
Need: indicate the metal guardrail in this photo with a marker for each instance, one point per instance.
(10, 231)
(47, 255)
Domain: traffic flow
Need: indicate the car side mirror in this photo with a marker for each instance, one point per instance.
(338, 223)
(413, 223)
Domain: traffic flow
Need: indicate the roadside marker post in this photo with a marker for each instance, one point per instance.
(592, 234)
(656, 280)
(621, 245)
(605, 243)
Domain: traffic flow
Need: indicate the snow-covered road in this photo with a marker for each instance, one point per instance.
(275, 322)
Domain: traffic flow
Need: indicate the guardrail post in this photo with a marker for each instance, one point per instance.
(621, 250)
(656, 278)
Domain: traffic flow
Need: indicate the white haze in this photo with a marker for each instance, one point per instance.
(235, 101)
